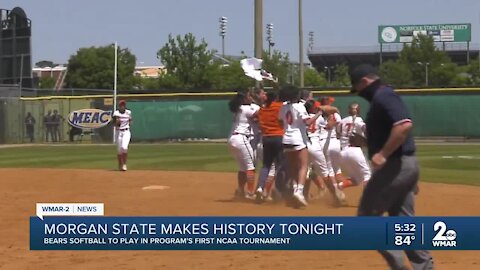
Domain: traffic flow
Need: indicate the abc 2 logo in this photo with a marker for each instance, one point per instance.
(444, 236)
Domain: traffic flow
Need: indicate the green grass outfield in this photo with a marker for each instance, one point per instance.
(459, 164)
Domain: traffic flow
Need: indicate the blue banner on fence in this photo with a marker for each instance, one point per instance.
(254, 233)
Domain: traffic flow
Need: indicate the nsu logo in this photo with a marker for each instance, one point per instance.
(90, 118)
(444, 238)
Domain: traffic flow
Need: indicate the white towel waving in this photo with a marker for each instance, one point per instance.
(253, 69)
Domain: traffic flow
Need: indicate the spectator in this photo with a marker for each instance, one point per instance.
(74, 131)
(47, 122)
(56, 119)
(29, 126)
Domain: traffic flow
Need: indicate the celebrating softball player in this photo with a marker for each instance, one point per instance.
(272, 133)
(320, 137)
(240, 142)
(352, 158)
(258, 100)
(331, 148)
(315, 149)
(295, 121)
(123, 120)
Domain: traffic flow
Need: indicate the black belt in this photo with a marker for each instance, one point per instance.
(236, 133)
(328, 138)
(125, 129)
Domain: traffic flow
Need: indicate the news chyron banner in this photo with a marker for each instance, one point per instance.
(84, 227)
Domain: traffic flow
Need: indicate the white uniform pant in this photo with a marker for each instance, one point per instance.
(122, 141)
(331, 149)
(317, 157)
(242, 150)
(355, 164)
(257, 147)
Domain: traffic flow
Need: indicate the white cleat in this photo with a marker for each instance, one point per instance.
(124, 167)
(340, 198)
(250, 196)
(267, 198)
(300, 198)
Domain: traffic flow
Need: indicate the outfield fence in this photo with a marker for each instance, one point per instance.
(182, 116)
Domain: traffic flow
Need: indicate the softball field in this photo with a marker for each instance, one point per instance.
(198, 180)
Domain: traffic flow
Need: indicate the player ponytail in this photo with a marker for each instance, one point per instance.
(310, 106)
(291, 94)
(236, 102)
(271, 97)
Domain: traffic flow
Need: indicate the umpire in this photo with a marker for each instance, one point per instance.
(391, 149)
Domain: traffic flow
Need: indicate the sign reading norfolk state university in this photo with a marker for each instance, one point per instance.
(439, 32)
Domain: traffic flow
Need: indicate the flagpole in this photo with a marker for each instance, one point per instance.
(115, 89)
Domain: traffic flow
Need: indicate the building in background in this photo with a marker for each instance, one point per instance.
(57, 73)
(149, 71)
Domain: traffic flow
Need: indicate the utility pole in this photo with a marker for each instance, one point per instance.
(300, 39)
(259, 29)
(258, 32)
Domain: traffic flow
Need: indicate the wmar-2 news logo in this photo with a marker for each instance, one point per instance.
(444, 237)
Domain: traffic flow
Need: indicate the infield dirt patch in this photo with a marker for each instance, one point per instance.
(194, 194)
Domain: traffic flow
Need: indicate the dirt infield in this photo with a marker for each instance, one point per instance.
(197, 194)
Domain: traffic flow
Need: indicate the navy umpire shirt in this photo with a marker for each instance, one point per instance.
(386, 110)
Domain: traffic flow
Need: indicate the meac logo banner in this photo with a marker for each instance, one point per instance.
(89, 118)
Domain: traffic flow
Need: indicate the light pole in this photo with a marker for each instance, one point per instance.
(270, 38)
(426, 71)
(300, 41)
(328, 73)
(310, 40)
(223, 32)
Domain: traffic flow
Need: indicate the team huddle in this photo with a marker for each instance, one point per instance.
(300, 141)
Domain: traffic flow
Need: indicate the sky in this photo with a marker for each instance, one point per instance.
(61, 27)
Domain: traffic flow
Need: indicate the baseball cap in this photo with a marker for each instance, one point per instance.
(359, 72)
(122, 102)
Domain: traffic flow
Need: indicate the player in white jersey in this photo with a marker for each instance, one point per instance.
(240, 143)
(295, 120)
(332, 146)
(258, 99)
(123, 120)
(318, 134)
(352, 157)
(315, 150)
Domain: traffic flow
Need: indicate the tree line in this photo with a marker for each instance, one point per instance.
(191, 65)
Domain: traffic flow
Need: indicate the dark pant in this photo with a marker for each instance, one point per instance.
(55, 133)
(49, 132)
(272, 153)
(272, 150)
(391, 189)
(30, 132)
